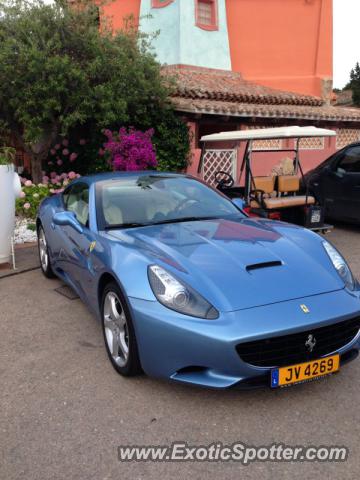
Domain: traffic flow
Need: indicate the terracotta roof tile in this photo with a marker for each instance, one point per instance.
(219, 92)
(304, 112)
(222, 85)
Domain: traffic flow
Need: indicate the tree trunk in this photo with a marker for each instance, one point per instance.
(36, 167)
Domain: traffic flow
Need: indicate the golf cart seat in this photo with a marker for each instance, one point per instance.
(285, 184)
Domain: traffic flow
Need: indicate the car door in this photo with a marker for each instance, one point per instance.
(77, 246)
(340, 185)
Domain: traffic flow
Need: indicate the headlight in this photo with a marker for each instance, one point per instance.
(340, 265)
(179, 297)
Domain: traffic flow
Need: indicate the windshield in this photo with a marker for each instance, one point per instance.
(152, 199)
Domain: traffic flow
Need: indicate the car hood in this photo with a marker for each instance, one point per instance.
(239, 264)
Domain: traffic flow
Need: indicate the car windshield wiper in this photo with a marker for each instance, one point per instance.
(184, 219)
(126, 225)
(162, 222)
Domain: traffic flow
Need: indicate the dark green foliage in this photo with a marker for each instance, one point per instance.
(58, 72)
(354, 84)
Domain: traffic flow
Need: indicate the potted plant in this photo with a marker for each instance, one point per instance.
(10, 188)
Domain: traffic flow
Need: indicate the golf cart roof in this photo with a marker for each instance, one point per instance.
(269, 133)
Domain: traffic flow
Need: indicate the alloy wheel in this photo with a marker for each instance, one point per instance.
(116, 329)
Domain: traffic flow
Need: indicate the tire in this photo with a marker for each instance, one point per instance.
(119, 333)
(44, 256)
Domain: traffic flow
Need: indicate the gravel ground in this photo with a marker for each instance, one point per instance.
(64, 410)
(22, 233)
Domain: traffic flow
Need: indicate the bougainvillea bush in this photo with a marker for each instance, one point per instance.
(32, 195)
(131, 149)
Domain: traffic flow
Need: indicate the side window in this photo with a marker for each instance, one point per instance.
(76, 199)
(350, 162)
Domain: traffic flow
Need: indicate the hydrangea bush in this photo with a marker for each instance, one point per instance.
(131, 149)
(32, 195)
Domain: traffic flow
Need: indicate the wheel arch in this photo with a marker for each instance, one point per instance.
(104, 280)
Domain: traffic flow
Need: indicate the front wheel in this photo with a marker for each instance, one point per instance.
(119, 334)
(44, 254)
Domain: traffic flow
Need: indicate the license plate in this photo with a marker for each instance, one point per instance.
(316, 216)
(303, 372)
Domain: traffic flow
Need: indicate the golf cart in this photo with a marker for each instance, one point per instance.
(277, 196)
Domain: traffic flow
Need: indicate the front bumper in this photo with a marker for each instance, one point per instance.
(203, 352)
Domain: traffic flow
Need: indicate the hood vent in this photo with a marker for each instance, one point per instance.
(257, 266)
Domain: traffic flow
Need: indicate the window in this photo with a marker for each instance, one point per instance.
(206, 14)
(76, 199)
(160, 3)
(350, 161)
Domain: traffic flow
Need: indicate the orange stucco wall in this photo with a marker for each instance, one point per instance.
(120, 10)
(285, 44)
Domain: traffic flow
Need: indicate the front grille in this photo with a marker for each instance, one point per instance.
(291, 349)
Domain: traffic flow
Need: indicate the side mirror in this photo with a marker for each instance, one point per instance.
(67, 218)
(239, 202)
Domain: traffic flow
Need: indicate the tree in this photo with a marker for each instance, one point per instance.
(59, 70)
(354, 84)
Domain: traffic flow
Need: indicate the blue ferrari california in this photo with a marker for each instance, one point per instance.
(188, 287)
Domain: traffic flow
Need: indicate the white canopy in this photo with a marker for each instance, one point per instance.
(269, 133)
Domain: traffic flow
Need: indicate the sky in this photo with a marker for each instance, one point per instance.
(346, 39)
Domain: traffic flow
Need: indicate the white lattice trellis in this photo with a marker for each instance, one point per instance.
(266, 144)
(346, 136)
(215, 160)
(311, 143)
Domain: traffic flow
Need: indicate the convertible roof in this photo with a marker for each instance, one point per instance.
(269, 133)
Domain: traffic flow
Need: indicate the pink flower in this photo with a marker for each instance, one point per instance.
(52, 174)
(101, 152)
(27, 205)
(45, 179)
(57, 146)
(53, 151)
(73, 157)
(59, 162)
(72, 175)
(131, 149)
(28, 183)
(22, 194)
(65, 151)
(78, 175)
(65, 142)
(82, 141)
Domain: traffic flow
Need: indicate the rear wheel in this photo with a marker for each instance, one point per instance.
(119, 334)
(44, 254)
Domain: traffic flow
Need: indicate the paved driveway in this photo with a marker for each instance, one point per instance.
(64, 410)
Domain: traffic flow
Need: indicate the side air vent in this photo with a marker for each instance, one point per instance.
(257, 266)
